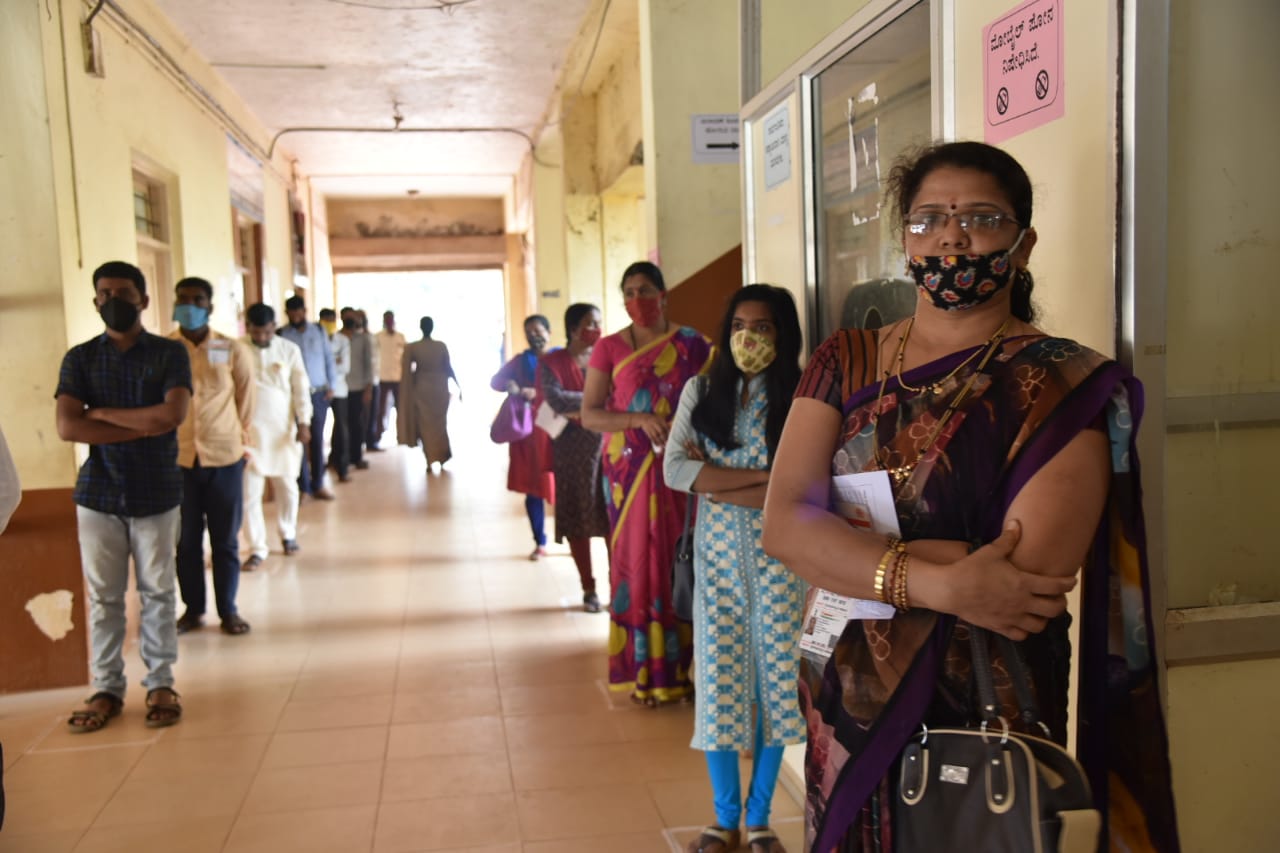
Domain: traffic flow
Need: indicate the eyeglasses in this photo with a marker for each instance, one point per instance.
(931, 222)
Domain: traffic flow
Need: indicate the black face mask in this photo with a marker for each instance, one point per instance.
(119, 314)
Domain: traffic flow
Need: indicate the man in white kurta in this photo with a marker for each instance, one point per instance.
(280, 430)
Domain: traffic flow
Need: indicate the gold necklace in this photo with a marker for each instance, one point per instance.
(935, 388)
(899, 475)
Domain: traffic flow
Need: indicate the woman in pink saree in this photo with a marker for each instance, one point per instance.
(633, 385)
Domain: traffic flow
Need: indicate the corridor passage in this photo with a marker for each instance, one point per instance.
(412, 682)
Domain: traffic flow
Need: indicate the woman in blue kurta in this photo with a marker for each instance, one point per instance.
(747, 606)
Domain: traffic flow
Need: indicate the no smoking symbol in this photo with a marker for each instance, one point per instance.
(1002, 101)
(1042, 85)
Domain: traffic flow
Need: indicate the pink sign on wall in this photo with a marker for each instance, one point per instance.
(1022, 80)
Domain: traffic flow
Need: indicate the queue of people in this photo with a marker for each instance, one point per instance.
(1007, 456)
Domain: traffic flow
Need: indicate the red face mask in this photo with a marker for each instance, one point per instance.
(589, 336)
(645, 310)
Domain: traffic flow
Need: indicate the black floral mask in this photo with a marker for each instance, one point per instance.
(960, 282)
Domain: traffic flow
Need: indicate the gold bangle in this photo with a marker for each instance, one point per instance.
(881, 568)
(900, 600)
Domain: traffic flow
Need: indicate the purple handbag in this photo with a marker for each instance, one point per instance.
(513, 422)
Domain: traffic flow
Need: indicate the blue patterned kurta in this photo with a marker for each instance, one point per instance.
(747, 609)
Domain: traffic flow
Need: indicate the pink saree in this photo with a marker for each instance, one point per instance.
(649, 649)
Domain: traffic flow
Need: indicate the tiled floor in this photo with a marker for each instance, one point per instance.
(412, 682)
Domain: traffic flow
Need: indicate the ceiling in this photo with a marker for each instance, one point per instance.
(360, 63)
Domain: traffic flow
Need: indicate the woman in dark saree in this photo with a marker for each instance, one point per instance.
(1010, 457)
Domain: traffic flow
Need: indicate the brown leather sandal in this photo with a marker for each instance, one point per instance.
(764, 840)
(161, 713)
(715, 839)
(90, 719)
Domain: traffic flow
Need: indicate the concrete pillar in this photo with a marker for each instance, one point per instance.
(32, 312)
(689, 66)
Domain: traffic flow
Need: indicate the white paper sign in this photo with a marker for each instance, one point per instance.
(777, 147)
(716, 138)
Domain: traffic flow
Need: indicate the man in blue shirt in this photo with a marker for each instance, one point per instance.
(124, 393)
(317, 358)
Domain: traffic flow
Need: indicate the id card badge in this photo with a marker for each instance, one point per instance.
(219, 352)
(865, 501)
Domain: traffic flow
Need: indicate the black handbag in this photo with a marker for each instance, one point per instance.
(992, 790)
(682, 567)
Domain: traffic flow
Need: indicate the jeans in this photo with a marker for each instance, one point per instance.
(106, 544)
(312, 477)
(285, 491)
(216, 495)
(358, 424)
(340, 441)
(537, 512)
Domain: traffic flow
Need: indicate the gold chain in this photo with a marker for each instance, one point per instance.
(901, 474)
(934, 388)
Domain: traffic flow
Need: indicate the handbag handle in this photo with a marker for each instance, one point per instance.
(980, 650)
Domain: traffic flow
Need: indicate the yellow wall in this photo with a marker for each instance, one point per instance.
(1071, 162)
(694, 210)
(31, 326)
(787, 36)
(1225, 749)
(71, 141)
(619, 123)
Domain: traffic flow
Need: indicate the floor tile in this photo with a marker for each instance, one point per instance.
(326, 746)
(586, 811)
(314, 786)
(195, 794)
(447, 737)
(332, 713)
(553, 699)
(447, 822)
(342, 829)
(445, 776)
(64, 769)
(191, 835)
(221, 754)
(652, 841)
(563, 730)
(457, 703)
(572, 766)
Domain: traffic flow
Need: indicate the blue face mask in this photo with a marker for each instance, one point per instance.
(191, 317)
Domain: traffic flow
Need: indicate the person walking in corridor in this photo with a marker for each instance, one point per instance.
(426, 371)
(317, 357)
(124, 393)
(632, 388)
(360, 386)
(340, 442)
(529, 467)
(280, 432)
(391, 346)
(211, 444)
(746, 606)
(579, 506)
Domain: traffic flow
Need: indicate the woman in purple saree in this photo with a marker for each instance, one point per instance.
(986, 430)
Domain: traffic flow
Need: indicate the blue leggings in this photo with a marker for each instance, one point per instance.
(537, 511)
(726, 785)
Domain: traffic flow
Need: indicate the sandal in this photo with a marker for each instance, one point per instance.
(715, 839)
(764, 840)
(159, 712)
(90, 719)
(234, 626)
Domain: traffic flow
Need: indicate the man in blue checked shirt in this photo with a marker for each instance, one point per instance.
(317, 358)
(124, 393)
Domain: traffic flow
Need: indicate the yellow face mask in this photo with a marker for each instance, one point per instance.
(751, 351)
(329, 326)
